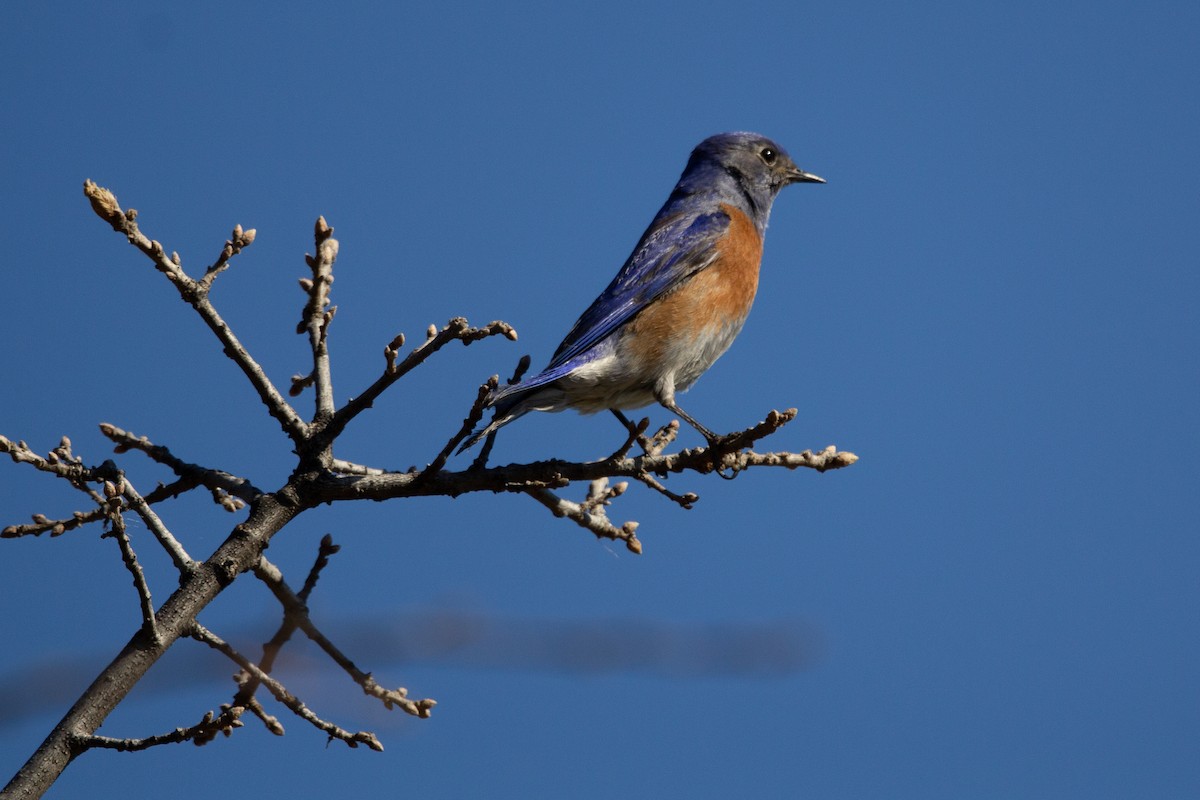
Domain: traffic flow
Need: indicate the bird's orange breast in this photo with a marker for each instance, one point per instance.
(714, 300)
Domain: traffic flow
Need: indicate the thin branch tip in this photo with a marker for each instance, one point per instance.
(105, 204)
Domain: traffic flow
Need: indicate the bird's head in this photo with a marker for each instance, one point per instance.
(743, 166)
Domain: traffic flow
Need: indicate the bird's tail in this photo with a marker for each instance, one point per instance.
(496, 424)
(517, 400)
(509, 405)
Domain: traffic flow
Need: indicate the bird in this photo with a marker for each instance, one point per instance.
(679, 300)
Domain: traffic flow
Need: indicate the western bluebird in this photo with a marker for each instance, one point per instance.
(679, 300)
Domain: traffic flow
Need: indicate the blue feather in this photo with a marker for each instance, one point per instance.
(673, 248)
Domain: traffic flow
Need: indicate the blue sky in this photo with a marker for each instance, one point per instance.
(992, 302)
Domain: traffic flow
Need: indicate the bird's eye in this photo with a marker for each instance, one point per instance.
(768, 155)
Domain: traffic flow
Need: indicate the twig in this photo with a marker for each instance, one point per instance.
(195, 294)
(490, 440)
(277, 689)
(547, 474)
(662, 438)
(468, 425)
(272, 723)
(238, 240)
(131, 563)
(590, 514)
(686, 500)
(745, 438)
(485, 451)
(519, 371)
(635, 434)
(456, 329)
(326, 549)
(248, 686)
(317, 315)
(213, 479)
(204, 730)
(297, 615)
(55, 527)
(183, 562)
(60, 461)
(601, 494)
(240, 550)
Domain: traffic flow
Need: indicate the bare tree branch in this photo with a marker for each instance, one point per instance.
(238, 240)
(139, 578)
(317, 315)
(293, 703)
(637, 435)
(468, 425)
(55, 527)
(214, 479)
(319, 478)
(297, 616)
(457, 329)
(247, 684)
(208, 727)
(183, 562)
(195, 294)
(60, 461)
(548, 474)
(685, 500)
(590, 513)
(268, 514)
(271, 649)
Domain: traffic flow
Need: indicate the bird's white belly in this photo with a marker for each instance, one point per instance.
(625, 379)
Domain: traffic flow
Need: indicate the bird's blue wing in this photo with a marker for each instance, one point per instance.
(674, 247)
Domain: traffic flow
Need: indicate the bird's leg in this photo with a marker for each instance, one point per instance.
(671, 406)
(714, 441)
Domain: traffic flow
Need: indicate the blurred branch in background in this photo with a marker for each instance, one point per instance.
(464, 639)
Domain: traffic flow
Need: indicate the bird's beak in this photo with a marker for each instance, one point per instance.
(800, 176)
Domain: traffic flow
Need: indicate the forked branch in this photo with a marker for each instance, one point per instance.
(319, 477)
